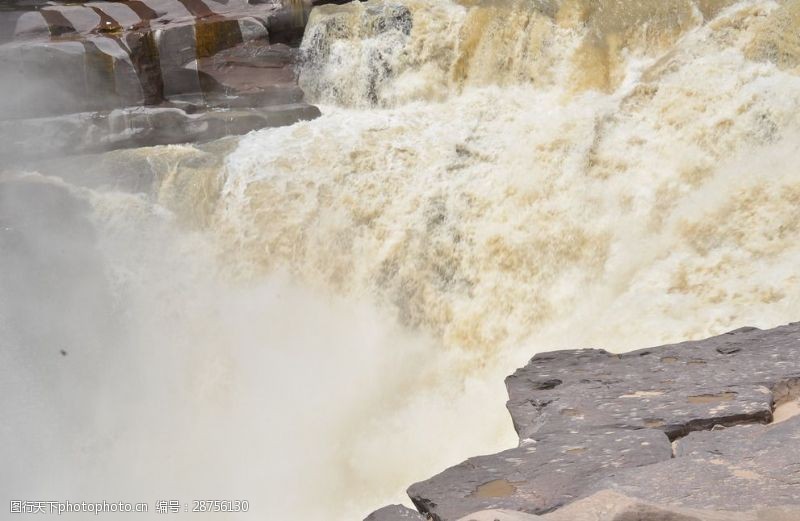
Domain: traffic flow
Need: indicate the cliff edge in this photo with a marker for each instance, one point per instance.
(697, 431)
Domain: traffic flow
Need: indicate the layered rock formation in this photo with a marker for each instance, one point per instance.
(702, 430)
(98, 75)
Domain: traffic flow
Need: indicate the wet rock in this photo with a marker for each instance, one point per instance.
(251, 74)
(589, 421)
(395, 513)
(144, 170)
(68, 59)
(92, 132)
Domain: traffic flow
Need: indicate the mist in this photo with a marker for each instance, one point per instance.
(136, 368)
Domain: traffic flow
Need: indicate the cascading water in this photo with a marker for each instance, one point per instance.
(484, 208)
(313, 317)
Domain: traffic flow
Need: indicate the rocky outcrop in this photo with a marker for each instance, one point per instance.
(683, 432)
(142, 72)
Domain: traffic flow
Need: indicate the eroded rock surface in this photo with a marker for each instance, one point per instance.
(681, 426)
(145, 72)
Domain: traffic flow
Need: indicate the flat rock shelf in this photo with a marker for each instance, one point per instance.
(698, 431)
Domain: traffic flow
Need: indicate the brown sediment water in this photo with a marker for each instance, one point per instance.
(496, 488)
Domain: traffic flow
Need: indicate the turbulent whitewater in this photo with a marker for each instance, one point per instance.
(324, 312)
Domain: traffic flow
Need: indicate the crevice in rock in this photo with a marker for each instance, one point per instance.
(678, 431)
(785, 404)
(425, 507)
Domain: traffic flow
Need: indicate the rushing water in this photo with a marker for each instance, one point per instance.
(313, 317)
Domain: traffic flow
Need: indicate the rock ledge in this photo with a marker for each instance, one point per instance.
(696, 431)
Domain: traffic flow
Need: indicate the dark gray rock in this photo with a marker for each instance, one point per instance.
(395, 513)
(739, 468)
(589, 420)
(538, 476)
(678, 388)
